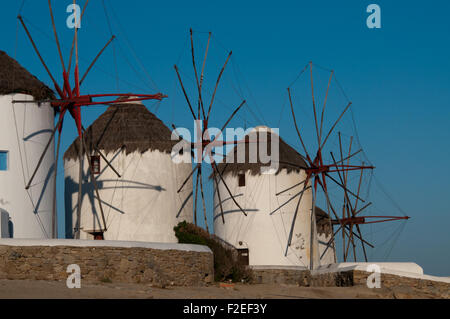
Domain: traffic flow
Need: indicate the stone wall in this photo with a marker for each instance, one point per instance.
(350, 278)
(277, 275)
(157, 267)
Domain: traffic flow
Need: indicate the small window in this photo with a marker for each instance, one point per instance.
(241, 178)
(95, 164)
(3, 160)
(243, 256)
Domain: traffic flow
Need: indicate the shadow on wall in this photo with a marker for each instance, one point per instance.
(71, 189)
(48, 178)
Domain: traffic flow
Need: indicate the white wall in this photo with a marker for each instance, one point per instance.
(142, 205)
(24, 136)
(266, 235)
(330, 254)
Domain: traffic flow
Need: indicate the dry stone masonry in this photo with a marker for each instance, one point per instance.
(158, 267)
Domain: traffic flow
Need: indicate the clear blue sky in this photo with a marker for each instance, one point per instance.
(398, 78)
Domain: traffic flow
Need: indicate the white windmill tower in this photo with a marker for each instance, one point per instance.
(25, 128)
(270, 199)
(137, 179)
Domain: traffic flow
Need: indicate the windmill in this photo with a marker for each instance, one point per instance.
(202, 146)
(329, 175)
(70, 99)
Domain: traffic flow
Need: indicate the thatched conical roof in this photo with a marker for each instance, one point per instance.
(287, 154)
(16, 79)
(130, 126)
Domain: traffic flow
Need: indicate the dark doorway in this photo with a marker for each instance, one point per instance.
(243, 256)
(98, 236)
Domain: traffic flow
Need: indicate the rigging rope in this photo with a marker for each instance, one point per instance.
(122, 30)
(113, 44)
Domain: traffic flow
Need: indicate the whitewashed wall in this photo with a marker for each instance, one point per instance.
(142, 205)
(330, 254)
(24, 136)
(266, 235)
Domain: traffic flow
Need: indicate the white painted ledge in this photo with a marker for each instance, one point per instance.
(403, 269)
(276, 267)
(103, 243)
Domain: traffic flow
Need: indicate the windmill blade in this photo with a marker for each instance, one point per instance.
(362, 208)
(354, 214)
(349, 157)
(43, 153)
(228, 121)
(331, 241)
(348, 162)
(293, 221)
(324, 105)
(312, 229)
(359, 188)
(362, 243)
(343, 184)
(334, 125)
(203, 200)
(94, 182)
(80, 189)
(296, 126)
(54, 210)
(73, 41)
(361, 239)
(314, 106)
(189, 177)
(58, 89)
(229, 191)
(350, 241)
(288, 189)
(77, 69)
(95, 59)
(200, 101)
(56, 36)
(218, 192)
(217, 84)
(195, 200)
(108, 163)
(289, 200)
(204, 63)
(342, 224)
(348, 205)
(344, 188)
(185, 94)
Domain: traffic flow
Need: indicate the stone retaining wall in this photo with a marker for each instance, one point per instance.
(158, 267)
(277, 275)
(350, 278)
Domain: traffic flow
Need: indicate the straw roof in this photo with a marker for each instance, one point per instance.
(263, 138)
(16, 79)
(125, 125)
(323, 222)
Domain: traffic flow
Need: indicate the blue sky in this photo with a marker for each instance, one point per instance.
(398, 78)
